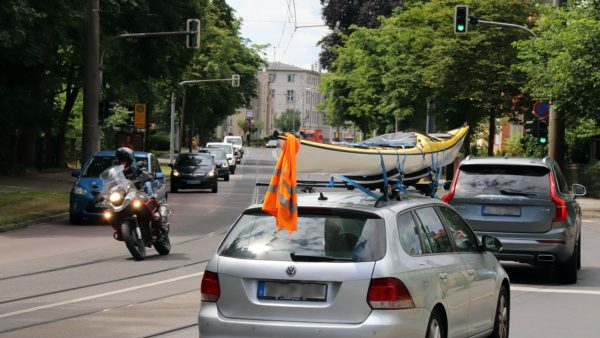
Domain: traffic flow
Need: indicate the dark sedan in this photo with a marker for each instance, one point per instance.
(194, 170)
(220, 160)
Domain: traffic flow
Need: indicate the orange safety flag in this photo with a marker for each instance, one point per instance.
(281, 199)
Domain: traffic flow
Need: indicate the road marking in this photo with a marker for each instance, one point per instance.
(274, 154)
(544, 290)
(116, 292)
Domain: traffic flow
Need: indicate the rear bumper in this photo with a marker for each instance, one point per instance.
(380, 323)
(530, 247)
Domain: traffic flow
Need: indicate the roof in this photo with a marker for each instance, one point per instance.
(507, 160)
(283, 66)
(112, 153)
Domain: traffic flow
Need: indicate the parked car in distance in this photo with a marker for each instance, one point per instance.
(272, 144)
(237, 143)
(194, 171)
(88, 183)
(229, 152)
(220, 160)
(527, 204)
(410, 268)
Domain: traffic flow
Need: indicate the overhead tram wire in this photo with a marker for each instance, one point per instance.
(287, 17)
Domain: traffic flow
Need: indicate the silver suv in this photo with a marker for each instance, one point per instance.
(355, 268)
(527, 204)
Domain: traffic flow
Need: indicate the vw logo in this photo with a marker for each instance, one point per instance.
(290, 271)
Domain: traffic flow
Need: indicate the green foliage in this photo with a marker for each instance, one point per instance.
(288, 120)
(578, 140)
(160, 141)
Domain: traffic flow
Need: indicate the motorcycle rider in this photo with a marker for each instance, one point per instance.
(139, 176)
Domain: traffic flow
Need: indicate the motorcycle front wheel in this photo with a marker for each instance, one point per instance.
(134, 243)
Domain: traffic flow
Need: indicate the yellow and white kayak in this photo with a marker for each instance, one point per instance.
(363, 163)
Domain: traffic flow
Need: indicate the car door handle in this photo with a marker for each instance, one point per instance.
(444, 276)
(471, 272)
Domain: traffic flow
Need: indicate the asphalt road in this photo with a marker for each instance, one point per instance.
(58, 280)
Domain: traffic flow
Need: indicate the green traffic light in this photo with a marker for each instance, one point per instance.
(460, 28)
(543, 140)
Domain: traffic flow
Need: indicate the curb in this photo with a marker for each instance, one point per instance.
(20, 225)
(590, 213)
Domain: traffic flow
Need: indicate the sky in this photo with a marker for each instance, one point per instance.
(272, 22)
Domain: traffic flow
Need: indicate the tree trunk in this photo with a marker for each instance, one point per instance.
(492, 132)
(72, 92)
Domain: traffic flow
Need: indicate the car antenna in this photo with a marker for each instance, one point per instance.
(322, 197)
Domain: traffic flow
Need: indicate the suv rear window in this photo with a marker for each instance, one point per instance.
(339, 236)
(516, 180)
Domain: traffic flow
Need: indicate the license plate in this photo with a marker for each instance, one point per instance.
(500, 210)
(194, 181)
(312, 292)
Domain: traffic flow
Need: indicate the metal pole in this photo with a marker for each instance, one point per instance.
(91, 92)
(556, 129)
(172, 141)
(505, 24)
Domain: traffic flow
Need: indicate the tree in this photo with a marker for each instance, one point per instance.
(339, 15)
(288, 121)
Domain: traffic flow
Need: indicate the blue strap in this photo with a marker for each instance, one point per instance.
(358, 186)
(385, 178)
(400, 185)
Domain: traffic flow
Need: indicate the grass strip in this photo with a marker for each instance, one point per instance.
(17, 207)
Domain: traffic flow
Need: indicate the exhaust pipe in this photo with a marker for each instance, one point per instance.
(546, 258)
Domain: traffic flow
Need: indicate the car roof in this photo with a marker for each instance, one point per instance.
(357, 200)
(507, 160)
(112, 153)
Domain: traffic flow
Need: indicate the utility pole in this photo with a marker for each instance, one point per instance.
(556, 129)
(91, 86)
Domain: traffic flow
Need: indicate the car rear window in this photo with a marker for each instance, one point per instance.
(515, 180)
(194, 159)
(338, 236)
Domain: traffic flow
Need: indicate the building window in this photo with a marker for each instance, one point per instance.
(290, 96)
(291, 77)
(272, 77)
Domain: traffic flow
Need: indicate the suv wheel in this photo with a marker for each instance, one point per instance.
(567, 271)
(579, 254)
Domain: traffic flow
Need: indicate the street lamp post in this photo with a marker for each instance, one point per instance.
(235, 82)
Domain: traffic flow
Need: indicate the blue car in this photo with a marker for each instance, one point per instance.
(89, 184)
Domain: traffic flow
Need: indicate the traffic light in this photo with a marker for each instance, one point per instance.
(542, 132)
(193, 38)
(532, 127)
(461, 19)
(235, 80)
(105, 110)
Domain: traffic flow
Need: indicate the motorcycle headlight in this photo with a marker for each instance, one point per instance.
(116, 197)
(176, 173)
(79, 191)
(211, 173)
(136, 204)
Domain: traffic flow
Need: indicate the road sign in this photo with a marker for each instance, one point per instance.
(139, 116)
(541, 109)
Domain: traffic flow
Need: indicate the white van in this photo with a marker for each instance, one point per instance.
(237, 143)
(229, 152)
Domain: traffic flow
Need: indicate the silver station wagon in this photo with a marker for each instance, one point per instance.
(410, 268)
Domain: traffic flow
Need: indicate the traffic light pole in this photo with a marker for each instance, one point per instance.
(474, 20)
(90, 141)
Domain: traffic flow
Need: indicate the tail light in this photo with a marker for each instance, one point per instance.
(210, 289)
(389, 293)
(561, 206)
(450, 195)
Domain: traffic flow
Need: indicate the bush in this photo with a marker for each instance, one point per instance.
(159, 141)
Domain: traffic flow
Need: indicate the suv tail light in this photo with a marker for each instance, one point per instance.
(389, 293)
(450, 195)
(210, 289)
(561, 206)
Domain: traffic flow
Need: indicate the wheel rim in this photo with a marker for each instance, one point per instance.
(503, 318)
(434, 329)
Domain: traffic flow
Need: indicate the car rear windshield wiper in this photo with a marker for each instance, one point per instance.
(517, 193)
(312, 258)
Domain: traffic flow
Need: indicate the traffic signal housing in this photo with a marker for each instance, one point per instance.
(193, 38)
(461, 19)
(542, 132)
(532, 127)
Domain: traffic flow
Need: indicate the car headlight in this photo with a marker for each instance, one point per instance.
(176, 173)
(116, 197)
(79, 190)
(211, 173)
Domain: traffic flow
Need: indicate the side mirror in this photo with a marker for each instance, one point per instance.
(579, 190)
(159, 176)
(75, 173)
(447, 185)
(490, 243)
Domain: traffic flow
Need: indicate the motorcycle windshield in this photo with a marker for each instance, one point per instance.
(113, 178)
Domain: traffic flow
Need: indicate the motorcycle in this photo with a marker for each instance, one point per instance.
(137, 218)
